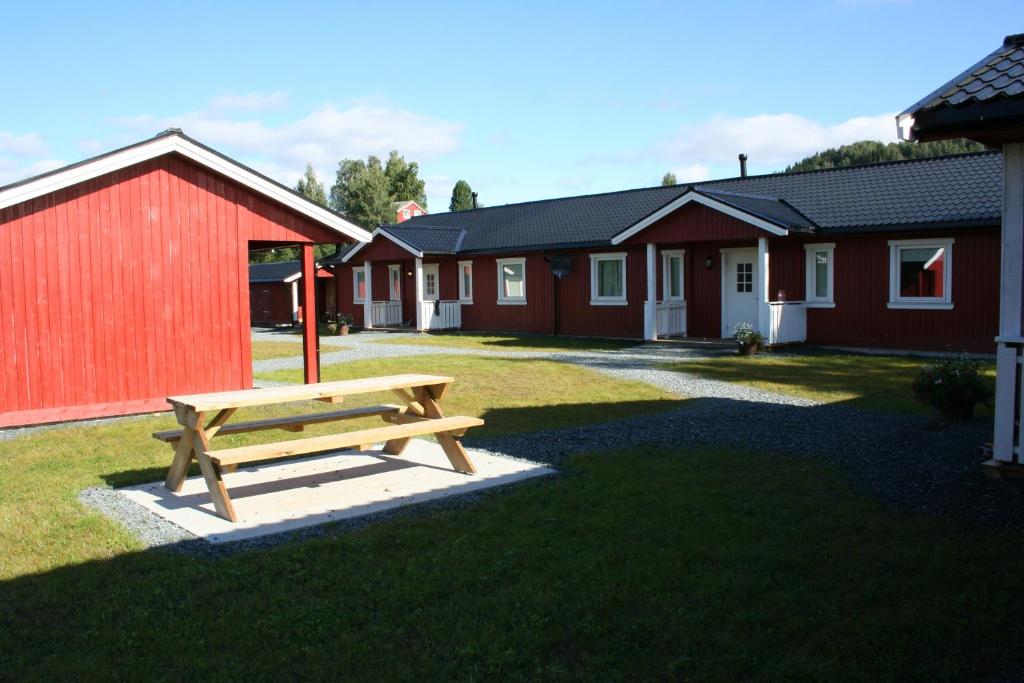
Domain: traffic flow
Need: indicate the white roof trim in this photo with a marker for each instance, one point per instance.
(380, 231)
(293, 277)
(175, 143)
(694, 196)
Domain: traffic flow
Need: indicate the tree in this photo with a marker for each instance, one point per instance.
(668, 179)
(869, 152)
(361, 192)
(404, 183)
(311, 188)
(462, 197)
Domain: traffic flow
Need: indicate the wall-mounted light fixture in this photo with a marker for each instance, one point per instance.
(708, 263)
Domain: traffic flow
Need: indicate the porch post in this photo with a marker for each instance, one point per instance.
(368, 299)
(419, 295)
(651, 305)
(310, 334)
(295, 301)
(1011, 306)
(764, 314)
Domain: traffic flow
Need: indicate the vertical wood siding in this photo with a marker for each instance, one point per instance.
(128, 288)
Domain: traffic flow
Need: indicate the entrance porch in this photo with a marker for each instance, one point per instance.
(393, 307)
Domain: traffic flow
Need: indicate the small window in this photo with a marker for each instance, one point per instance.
(744, 277)
(672, 275)
(819, 279)
(921, 273)
(429, 285)
(405, 213)
(512, 281)
(395, 282)
(608, 279)
(358, 285)
(417, 212)
(466, 282)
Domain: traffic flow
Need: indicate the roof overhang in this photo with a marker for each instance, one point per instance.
(695, 196)
(179, 144)
(381, 231)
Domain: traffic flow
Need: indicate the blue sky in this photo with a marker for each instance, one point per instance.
(524, 100)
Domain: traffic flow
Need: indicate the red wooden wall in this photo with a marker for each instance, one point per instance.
(128, 288)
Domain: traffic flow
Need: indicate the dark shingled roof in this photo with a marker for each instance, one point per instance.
(272, 272)
(999, 74)
(960, 190)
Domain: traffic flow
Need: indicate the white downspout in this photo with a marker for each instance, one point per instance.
(368, 299)
(419, 295)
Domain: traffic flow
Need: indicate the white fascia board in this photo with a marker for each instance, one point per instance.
(174, 143)
(694, 196)
(380, 231)
(293, 277)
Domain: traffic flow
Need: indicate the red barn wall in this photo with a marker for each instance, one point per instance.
(128, 288)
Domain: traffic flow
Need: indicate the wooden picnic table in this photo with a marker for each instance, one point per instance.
(419, 414)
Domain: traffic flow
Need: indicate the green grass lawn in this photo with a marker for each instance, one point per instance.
(512, 395)
(866, 382)
(512, 342)
(265, 350)
(700, 565)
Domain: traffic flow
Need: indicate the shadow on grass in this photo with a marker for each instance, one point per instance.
(539, 342)
(632, 552)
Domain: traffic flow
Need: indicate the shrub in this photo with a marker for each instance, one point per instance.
(953, 386)
(747, 338)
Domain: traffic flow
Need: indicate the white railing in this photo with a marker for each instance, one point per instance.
(788, 322)
(671, 318)
(441, 315)
(385, 313)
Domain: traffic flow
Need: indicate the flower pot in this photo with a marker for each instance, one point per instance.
(748, 349)
(342, 330)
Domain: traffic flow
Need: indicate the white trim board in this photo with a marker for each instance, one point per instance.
(379, 231)
(694, 196)
(174, 143)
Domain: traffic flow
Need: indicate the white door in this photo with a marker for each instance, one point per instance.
(739, 295)
(431, 285)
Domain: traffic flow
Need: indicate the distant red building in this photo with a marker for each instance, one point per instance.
(406, 210)
(123, 278)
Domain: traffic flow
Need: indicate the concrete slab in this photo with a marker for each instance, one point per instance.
(269, 499)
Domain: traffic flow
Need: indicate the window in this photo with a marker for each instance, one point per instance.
(818, 284)
(466, 282)
(405, 213)
(672, 275)
(511, 281)
(395, 282)
(921, 273)
(608, 279)
(744, 277)
(417, 212)
(430, 282)
(358, 285)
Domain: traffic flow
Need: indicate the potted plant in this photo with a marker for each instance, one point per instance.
(748, 340)
(344, 323)
(953, 386)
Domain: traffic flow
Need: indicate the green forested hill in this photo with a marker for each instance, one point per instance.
(869, 152)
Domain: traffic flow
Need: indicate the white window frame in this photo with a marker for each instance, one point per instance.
(595, 299)
(405, 214)
(810, 277)
(941, 303)
(356, 272)
(464, 296)
(666, 275)
(502, 299)
(394, 295)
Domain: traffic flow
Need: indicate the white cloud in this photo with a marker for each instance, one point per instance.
(25, 145)
(768, 139)
(692, 173)
(253, 101)
(12, 170)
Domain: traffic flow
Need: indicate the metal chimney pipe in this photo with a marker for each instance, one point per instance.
(743, 165)
(474, 199)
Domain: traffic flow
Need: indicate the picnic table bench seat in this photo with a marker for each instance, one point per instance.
(419, 416)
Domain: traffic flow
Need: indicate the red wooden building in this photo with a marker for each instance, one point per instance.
(275, 293)
(901, 255)
(123, 278)
(406, 210)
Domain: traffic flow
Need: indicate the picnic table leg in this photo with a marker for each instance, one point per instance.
(451, 446)
(212, 475)
(183, 451)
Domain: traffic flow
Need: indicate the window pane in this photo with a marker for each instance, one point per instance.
(609, 278)
(821, 274)
(361, 284)
(467, 282)
(744, 277)
(675, 277)
(922, 272)
(512, 280)
(429, 285)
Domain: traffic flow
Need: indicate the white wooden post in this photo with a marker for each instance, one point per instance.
(1011, 303)
(419, 295)
(764, 313)
(295, 301)
(651, 305)
(368, 300)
